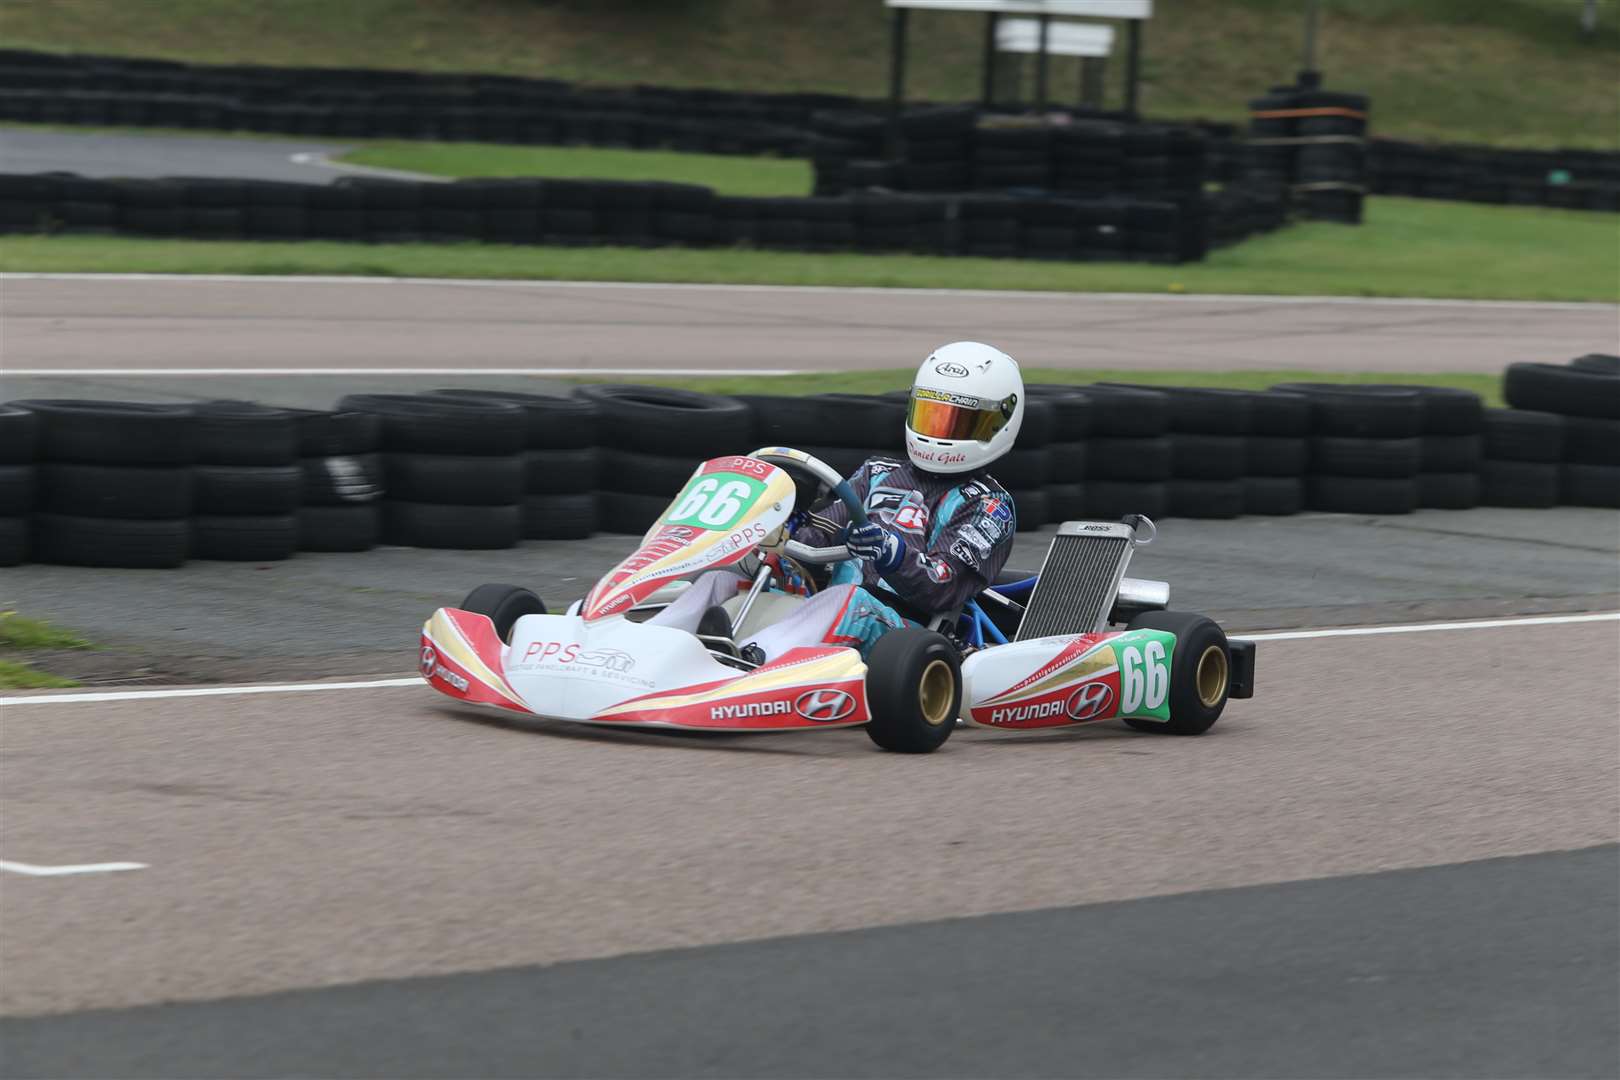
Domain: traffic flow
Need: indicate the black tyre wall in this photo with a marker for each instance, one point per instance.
(114, 432)
(660, 420)
(84, 541)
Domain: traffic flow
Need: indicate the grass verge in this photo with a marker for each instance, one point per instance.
(1408, 247)
(728, 175)
(18, 633)
(1488, 387)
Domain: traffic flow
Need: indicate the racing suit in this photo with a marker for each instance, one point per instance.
(957, 530)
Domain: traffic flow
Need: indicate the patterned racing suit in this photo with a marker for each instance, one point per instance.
(958, 531)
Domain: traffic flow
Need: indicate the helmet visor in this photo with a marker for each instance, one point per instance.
(935, 414)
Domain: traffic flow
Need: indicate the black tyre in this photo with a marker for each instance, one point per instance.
(1591, 442)
(453, 479)
(629, 513)
(1361, 494)
(1598, 363)
(655, 474)
(1031, 508)
(1205, 498)
(114, 432)
(1448, 490)
(1068, 462)
(1201, 410)
(16, 489)
(504, 605)
(343, 480)
(430, 424)
(1071, 410)
(1107, 500)
(339, 528)
(1118, 412)
(14, 540)
(913, 691)
(111, 491)
(1207, 457)
(1273, 495)
(1361, 412)
(559, 517)
(247, 489)
(93, 541)
(1136, 459)
(1200, 672)
(1065, 502)
(243, 433)
(1451, 453)
(458, 528)
(1277, 413)
(1523, 435)
(562, 472)
(660, 420)
(554, 423)
(337, 434)
(1589, 485)
(1570, 391)
(1024, 468)
(1273, 455)
(245, 537)
(19, 435)
(1343, 456)
(863, 420)
(1530, 484)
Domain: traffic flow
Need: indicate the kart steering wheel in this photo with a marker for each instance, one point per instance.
(798, 464)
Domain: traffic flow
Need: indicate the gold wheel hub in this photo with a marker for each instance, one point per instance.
(935, 690)
(1211, 676)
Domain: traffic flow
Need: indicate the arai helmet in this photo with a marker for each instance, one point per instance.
(967, 404)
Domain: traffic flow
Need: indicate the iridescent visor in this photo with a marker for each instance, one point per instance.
(945, 420)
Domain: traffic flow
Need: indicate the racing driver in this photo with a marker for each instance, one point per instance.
(939, 527)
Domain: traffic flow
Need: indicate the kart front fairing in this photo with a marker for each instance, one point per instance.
(599, 666)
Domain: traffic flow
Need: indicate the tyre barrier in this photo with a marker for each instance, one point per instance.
(1314, 141)
(1574, 179)
(136, 485)
(574, 213)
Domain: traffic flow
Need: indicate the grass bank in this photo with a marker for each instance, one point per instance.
(1510, 72)
(19, 636)
(1408, 247)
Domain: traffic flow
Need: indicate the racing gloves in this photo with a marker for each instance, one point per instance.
(875, 544)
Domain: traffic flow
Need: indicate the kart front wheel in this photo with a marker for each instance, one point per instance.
(1200, 672)
(505, 605)
(913, 691)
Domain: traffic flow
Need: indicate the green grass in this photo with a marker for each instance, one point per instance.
(1511, 72)
(20, 633)
(1408, 247)
(1488, 387)
(728, 175)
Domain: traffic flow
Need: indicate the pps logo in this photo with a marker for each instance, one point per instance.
(953, 371)
(429, 658)
(1092, 700)
(826, 706)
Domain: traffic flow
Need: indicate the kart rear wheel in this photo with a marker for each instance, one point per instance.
(505, 605)
(1200, 672)
(913, 690)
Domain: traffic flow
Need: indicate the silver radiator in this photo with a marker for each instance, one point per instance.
(1078, 580)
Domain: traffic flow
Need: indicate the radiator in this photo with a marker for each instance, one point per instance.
(1078, 580)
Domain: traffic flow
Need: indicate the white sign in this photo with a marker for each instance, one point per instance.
(1072, 9)
(1062, 38)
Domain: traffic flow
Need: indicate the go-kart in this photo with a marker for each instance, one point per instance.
(1033, 652)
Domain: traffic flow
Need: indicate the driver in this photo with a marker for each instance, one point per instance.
(939, 527)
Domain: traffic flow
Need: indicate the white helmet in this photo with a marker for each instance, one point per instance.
(967, 404)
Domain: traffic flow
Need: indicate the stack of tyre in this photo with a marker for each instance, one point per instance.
(248, 483)
(1012, 157)
(1523, 449)
(452, 467)
(1365, 449)
(1026, 470)
(1276, 453)
(1207, 437)
(1128, 455)
(939, 147)
(17, 482)
(1452, 448)
(114, 482)
(1087, 158)
(342, 480)
(1066, 451)
(560, 462)
(651, 438)
(1586, 393)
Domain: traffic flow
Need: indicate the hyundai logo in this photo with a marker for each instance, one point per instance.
(429, 658)
(1090, 701)
(824, 705)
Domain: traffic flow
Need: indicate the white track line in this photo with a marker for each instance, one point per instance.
(315, 159)
(92, 697)
(206, 373)
(30, 870)
(872, 290)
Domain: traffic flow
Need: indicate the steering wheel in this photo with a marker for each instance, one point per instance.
(800, 465)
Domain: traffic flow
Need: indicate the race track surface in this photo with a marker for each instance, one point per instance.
(351, 837)
(108, 154)
(132, 326)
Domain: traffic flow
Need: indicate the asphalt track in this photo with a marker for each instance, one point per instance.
(120, 329)
(108, 154)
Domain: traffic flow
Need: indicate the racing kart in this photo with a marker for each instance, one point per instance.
(1077, 642)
